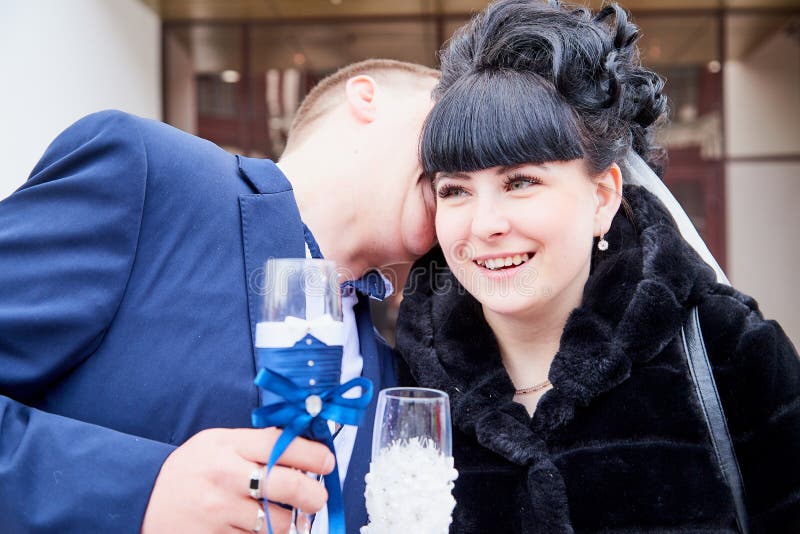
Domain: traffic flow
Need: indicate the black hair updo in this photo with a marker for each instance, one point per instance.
(529, 81)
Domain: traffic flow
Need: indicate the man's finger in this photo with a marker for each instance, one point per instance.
(246, 517)
(295, 488)
(281, 519)
(256, 445)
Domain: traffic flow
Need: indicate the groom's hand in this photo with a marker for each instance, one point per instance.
(203, 485)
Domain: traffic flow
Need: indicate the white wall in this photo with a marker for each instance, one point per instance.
(762, 104)
(762, 112)
(60, 60)
(763, 240)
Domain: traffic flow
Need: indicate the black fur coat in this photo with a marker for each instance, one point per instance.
(619, 443)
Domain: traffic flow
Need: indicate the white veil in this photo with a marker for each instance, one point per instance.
(636, 171)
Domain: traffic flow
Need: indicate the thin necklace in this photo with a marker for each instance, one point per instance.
(534, 388)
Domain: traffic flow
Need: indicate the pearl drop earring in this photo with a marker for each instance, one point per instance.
(602, 244)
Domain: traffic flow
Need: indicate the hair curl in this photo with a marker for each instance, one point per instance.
(528, 81)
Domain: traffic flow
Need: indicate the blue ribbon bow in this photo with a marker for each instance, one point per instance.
(297, 418)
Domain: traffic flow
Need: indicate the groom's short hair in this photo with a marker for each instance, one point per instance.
(327, 93)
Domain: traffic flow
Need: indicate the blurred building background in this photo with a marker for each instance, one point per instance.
(234, 71)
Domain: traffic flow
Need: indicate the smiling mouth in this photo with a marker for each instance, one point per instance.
(504, 262)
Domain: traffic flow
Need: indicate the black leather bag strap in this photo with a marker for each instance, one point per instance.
(706, 388)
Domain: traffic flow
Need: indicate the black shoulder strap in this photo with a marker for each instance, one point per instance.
(706, 388)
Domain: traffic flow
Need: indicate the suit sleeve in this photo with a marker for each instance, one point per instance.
(68, 238)
(758, 378)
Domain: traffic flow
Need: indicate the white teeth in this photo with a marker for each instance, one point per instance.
(508, 261)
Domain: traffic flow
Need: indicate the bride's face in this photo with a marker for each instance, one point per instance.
(519, 239)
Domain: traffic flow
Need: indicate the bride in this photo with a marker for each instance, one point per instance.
(551, 313)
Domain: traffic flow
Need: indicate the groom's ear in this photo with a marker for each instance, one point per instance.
(361, 92)
(608, 196)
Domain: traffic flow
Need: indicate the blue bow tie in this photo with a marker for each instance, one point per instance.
(371, 284)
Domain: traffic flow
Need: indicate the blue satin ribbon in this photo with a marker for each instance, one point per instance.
(291, 414)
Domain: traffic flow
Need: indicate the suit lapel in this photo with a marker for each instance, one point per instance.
(271, 228)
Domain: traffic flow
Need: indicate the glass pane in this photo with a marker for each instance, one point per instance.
(287, 60)
(685, 51)
(689, 40)
(203, 82)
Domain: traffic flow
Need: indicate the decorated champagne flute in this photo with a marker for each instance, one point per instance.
(409, 486)
(299, 342)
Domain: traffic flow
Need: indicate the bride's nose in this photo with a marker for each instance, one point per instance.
(489, 221)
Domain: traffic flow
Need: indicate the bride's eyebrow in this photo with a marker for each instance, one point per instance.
(510, 168)
(454, 175)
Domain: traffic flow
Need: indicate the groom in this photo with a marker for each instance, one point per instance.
(128, 264)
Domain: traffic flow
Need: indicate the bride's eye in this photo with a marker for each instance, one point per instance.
(516, 182)
(450, 190)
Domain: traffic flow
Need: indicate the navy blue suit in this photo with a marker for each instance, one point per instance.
(129, 264)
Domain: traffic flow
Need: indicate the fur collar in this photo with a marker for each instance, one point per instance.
(637, 296)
